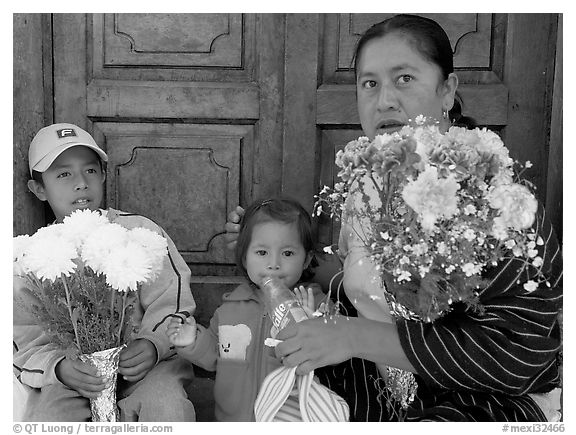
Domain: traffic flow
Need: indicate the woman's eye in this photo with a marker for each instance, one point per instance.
(288, 253)
(369, 84)
(404, 79)
(91, 171)
(261, 252)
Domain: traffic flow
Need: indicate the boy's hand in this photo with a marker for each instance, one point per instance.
(232, 227)
(182, 334)
(306, 298)
(137, 359)
(80, 376)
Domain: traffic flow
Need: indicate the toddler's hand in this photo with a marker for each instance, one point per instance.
(306, 299)
(182, 334)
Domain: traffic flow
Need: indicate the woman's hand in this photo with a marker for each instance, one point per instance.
(232, 227)
(182, 334)
(330, 340)
(137, 359)
(315, 343)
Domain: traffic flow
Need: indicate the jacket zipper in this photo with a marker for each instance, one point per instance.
(260, 355)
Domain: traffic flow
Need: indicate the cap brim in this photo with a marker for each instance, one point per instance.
(49, 158)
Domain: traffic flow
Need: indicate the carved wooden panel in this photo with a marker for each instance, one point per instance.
(172, 46)
(469, 34)
(213, 40)
(137, 99)
(186, 178)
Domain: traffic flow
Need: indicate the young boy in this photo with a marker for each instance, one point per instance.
(67, 169)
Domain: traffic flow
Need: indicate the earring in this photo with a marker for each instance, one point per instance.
(445, 113)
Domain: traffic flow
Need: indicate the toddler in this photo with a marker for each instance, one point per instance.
(275, 240)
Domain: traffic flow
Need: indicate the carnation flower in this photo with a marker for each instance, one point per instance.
(427, 139)
(530, 286)
(490, 142)
(516, 205)
(431, 197)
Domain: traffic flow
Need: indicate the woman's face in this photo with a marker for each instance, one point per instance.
(396, 83)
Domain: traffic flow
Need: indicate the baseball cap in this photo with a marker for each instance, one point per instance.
(53, 140)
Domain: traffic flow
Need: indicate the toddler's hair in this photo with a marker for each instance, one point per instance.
(275, 209)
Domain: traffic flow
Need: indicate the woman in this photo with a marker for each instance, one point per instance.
(468, 366)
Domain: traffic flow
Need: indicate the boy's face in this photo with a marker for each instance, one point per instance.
(74, 181)
(276, 251)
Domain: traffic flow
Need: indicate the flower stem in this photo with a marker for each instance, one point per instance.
(124, 297)
(111, 316)
(69, 303)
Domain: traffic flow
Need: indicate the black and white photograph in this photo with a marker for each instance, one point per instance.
(287, 216)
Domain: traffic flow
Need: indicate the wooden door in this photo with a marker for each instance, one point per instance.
(201, 112)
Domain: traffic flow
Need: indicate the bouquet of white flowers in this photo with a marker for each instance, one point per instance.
(432, 212)
(82, 276)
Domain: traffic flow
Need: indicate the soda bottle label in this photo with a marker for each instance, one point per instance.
(284, 314)
(279, 313)
(282, 306)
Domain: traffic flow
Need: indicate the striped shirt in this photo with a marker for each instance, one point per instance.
(472, 366)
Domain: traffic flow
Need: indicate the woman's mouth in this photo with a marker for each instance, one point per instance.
(389, 127)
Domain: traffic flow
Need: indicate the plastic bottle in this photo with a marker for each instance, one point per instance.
(282, 306)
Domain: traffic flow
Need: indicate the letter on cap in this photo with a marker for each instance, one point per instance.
(65, 132)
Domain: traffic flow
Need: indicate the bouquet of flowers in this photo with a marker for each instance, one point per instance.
(441, 209)
(433, 211)
(81, 277)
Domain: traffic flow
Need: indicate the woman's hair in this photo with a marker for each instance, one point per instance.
(429, 39)
(277, 209)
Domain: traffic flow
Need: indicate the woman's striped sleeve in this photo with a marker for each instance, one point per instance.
(510, 346)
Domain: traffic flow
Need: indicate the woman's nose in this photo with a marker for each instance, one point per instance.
(387, 98)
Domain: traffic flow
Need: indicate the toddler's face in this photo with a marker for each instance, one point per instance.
(276, 251)
(74, 181)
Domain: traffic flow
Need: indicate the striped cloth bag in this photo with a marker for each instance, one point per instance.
(285, 396)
